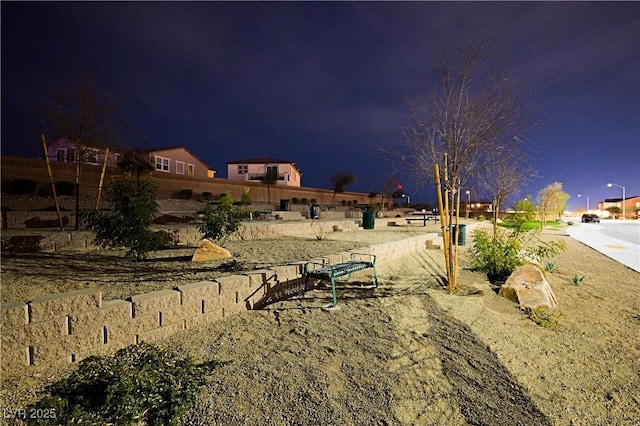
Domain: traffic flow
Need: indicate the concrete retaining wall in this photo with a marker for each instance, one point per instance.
(60, 329)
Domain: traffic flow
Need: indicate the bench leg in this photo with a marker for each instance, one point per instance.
(333, 291)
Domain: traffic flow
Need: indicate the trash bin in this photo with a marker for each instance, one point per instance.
(462, 234)
(314, 211)
(284, 205)
(368, 219)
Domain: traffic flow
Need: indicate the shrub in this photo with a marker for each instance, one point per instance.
(164, 239)
(543, 317)
(295, 200)
(480, 218)
(139, 384)
(23, 187)
(304, 201)
(185, 194)
(206, 196)
(129, 226)
(499, 255)
(65, 188)
(221, 221)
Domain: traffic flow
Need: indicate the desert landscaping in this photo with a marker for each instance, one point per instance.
(406, 353)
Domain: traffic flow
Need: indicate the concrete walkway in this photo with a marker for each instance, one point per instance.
(619, 240)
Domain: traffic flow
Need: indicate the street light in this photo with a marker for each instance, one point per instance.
(624, 211)
(468, 202)
(408, 199)
(580, 195)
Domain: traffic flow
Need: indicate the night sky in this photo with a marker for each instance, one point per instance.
(323, 84)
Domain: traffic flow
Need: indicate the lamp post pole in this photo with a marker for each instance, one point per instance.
(624, 210)
(468, 203)
(587, 197)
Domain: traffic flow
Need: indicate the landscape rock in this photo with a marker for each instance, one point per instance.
(208, 250)
(528, 287)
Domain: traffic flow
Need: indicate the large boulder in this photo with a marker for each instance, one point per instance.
(528, 287)
(208, 250)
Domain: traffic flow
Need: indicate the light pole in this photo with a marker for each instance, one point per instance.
(624, 210)
(468, 202)
(408, 199)
(580, 195)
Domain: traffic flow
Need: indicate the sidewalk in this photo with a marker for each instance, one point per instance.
(594, 236)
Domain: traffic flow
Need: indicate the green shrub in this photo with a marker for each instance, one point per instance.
(480, 218)
(139, 384)
(164, 239)
(206, 196)
(221, 221)
(543, 317)
(23, 187)
(577, 279)
(304, 201)
(500, 254)
(129, 225)
(185, 194)
(65, 188)
(295, 200)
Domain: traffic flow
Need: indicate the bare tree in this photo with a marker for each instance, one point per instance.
(504, 177)
(455, 132)
(88, 120)
(339, 182)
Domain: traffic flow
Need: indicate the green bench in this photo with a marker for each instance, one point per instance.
(327, 272)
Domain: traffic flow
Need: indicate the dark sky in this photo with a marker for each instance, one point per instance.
(323, 84)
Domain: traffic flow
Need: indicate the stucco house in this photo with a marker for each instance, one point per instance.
(256, 168)
(172, 160)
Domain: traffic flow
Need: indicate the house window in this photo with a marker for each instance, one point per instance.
(243, 169)
(162, 164)
(179, 167)
(92, 156)
(61, 155)
(272, 169)
(65, 155)
(191, 169)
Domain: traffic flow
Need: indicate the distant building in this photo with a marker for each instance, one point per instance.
(173, 160)
(255, 169)
(631, 205)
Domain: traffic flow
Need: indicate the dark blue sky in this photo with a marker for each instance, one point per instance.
(323, 84)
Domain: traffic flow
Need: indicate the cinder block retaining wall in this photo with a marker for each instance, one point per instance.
(61, 329)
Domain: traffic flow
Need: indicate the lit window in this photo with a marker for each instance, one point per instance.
(162, 164)
(179, 167)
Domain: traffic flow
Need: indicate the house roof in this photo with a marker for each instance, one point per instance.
(262, 160)
(619, 200)
(170, 148)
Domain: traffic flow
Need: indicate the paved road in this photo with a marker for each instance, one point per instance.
(620, 240)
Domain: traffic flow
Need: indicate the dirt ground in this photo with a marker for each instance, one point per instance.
(406, 353)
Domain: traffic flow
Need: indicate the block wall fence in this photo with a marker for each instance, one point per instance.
(61, 329)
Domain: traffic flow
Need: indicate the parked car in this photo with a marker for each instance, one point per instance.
(590, 218)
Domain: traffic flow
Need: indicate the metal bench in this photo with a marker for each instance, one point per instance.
(327, 272)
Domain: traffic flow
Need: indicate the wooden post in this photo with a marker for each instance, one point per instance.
(104, 168)
(53, 185)
(443, 221)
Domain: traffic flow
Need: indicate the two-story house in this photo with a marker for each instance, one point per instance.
(256, 168)
(172, 160)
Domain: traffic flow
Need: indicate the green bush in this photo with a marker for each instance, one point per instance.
(164, 239)
(129, 225)
(185, 194)
(139, 384)
(65, 188)
(500, 254)
(206, 196)
(221, 221)
(295, 200)
(23, 187)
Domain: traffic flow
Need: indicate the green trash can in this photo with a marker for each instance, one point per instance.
(462, 234)
(368, 219)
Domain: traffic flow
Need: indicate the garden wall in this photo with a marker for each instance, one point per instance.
(61, 329)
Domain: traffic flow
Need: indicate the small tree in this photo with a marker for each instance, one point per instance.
(339, 182)
(221, 221)
(269, 178)
(129, 226)
(551, 201)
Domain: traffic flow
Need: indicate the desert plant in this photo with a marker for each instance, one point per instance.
(139, 384)
(129, 226)
(165, 239)
(543, 317)
(220, 222)
(551, 267)
(319, 227)
(500, 254)
(577, 279)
